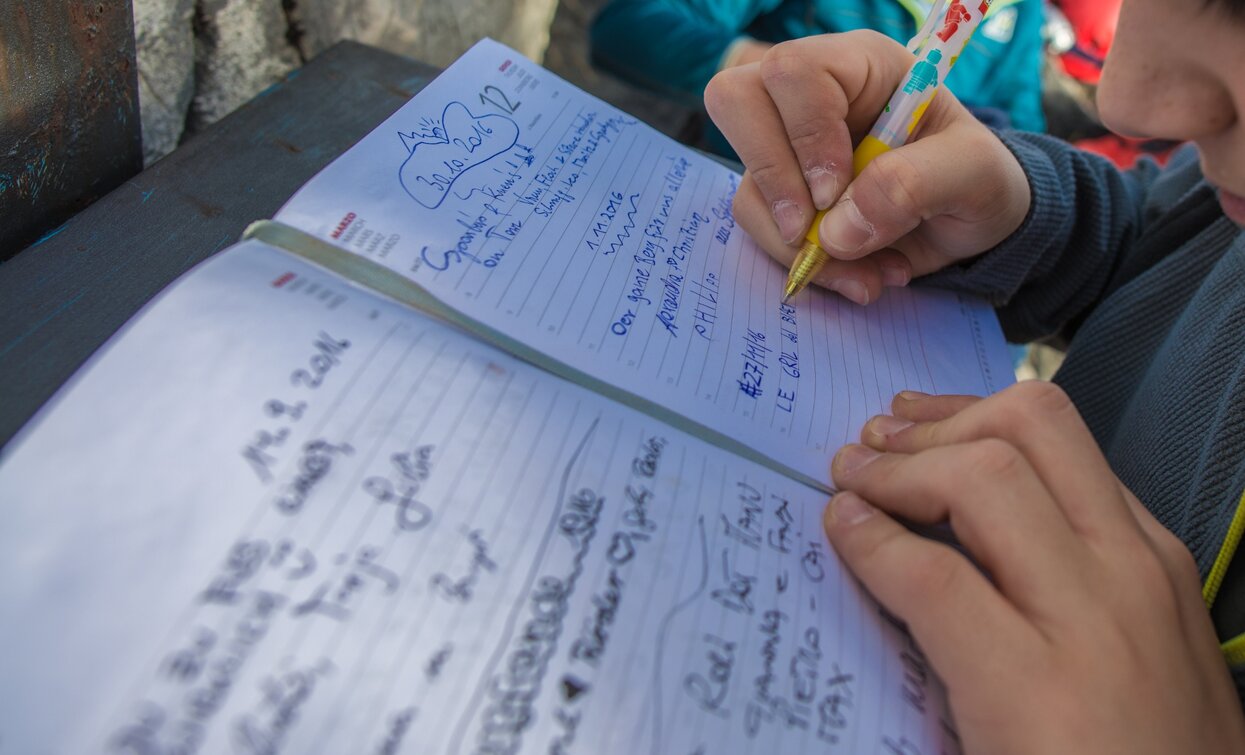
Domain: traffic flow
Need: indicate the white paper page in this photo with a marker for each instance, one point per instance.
(569, 225)
(281, 515)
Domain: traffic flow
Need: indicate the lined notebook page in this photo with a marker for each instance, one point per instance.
(566, 224)
(280, 514)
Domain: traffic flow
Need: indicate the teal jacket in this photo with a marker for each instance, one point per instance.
(675, 46)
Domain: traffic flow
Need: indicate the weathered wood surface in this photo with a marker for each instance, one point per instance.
(62, 298)
(69, 123)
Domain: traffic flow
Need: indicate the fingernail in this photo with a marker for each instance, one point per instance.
(886, 425)
(852, 458)
(851, 289)
(894, 274)
(912, 395)
(790, 220)
(847, 509)
(824, 186)
(844, 229)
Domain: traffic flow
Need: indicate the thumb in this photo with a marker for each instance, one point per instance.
(956, 170)
(885, 202)
(951, 608)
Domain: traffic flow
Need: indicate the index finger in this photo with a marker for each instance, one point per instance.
(819, 82)
(813, 109)
(826, 89)
(737, 102)
(1041, 421)
(966, 627)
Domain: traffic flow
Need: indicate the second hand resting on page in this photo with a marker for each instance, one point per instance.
(1089, 633)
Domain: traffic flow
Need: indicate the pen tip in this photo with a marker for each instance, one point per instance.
(793, 288)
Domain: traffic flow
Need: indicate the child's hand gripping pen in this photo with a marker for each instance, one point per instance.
(937, 46)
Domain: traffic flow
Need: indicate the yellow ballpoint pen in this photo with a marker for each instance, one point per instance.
(937, 45)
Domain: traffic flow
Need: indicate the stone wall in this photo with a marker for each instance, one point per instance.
(200, 59)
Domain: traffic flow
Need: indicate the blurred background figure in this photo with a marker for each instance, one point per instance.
(673, 47)
(1078, 34)
(1082, 31)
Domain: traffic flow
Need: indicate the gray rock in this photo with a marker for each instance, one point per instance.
(165, 48)
(433, 31)
(198, 60)
(241, 49)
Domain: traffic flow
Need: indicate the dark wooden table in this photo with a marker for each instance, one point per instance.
(61, 299)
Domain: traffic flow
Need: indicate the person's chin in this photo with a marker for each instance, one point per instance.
(1233, 206)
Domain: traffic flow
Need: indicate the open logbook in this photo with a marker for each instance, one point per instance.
(495, 439)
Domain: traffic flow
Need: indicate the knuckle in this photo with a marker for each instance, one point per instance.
(1146, 566)
(770, 176)
(1155, 587)
(722, 93)
(870, 37)
(1028, 403)
(1045, 395)
(1151, 573)
(983, 143)
(781, 63)
(937, 572)
(897, 181)
(809, 136)
(1179, 557)
(991, 458)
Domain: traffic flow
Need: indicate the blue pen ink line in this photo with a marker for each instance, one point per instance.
(527, 193)
(414, 633)
(627, 193)
(558, 245)
(658, 198)
(655, 574)
(481, 429)
(631, 197)
(664, 628)
(735, 284)
(687, 276)
(381, 700)
(697, 278)
(179, 625)
(726, 252)
(449, 136)
(464, 721)
(299, 635)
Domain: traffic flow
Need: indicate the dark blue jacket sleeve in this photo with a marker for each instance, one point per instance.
(1079, 241)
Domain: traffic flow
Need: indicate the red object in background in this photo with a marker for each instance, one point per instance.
(1124, 151)
(1093, 22)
